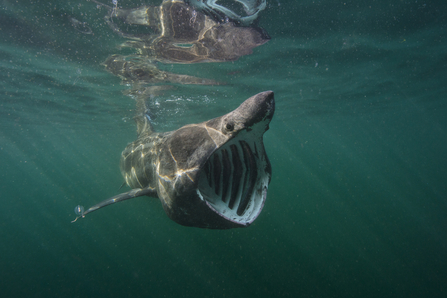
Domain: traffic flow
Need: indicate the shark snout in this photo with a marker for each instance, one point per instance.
(256, 110)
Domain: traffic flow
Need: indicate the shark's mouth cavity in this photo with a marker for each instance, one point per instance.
(234, 180)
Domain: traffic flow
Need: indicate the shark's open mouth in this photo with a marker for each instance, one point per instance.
(234, 180)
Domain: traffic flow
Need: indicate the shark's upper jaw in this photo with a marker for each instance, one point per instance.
(234, 180)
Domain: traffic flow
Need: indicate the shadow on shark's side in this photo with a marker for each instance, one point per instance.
(214, 174)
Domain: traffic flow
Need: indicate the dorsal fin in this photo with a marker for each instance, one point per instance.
(142, 118)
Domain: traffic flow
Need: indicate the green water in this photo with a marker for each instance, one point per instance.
(357, 204)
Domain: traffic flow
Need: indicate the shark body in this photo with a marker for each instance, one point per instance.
(213, 174)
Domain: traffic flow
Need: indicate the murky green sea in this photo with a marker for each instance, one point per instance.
(357, 205)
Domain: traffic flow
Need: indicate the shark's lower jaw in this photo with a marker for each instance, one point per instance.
(234, 180)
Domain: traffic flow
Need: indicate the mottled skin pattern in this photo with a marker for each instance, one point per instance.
(169, 163)
(176, 167)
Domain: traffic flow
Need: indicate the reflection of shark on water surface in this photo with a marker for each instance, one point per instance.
(214, 174)
(175, 32)
(138, 70)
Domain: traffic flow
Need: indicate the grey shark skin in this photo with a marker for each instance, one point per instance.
(214, 174)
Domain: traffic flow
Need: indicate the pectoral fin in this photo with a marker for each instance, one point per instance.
(137, 192)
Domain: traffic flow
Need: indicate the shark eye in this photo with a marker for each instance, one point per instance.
(229, 126)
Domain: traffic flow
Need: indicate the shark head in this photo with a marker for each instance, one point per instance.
(215, 174)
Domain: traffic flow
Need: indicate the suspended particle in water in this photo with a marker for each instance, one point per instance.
(79, 210)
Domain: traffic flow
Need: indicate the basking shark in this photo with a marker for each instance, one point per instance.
(213, 174)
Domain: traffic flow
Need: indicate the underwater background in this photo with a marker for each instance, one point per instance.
(357, 204)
